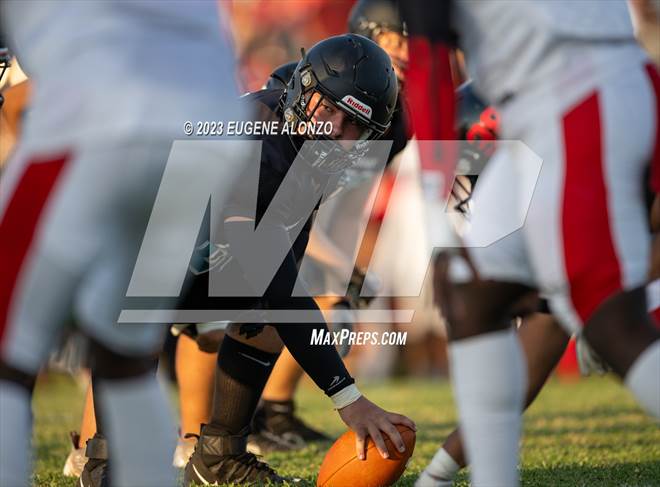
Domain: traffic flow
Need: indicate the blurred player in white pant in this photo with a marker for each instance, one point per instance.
(571, 83)
(114, 83)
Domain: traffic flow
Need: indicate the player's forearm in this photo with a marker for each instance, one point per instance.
(321, 362)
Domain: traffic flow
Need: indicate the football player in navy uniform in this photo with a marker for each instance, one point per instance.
(276, 426)
(347, 81)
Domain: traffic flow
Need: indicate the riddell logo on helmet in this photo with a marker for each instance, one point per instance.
(359, 106)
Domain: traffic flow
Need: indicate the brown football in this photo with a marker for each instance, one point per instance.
(341, 467)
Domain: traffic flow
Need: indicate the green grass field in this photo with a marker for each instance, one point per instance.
(586, 433)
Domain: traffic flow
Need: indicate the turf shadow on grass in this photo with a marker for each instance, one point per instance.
(429, 430)
(625, 429)
(594, 412)
(644, 474)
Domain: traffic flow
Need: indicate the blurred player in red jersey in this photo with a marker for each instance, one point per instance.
(571, 83)
(76, 198)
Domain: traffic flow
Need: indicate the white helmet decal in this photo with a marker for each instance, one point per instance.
(356, 104)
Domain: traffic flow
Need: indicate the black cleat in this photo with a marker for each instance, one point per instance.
(95, 472)
(263, 442)
(222, 459)
(276, 428)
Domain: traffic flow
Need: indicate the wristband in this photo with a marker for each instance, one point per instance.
(347, 396)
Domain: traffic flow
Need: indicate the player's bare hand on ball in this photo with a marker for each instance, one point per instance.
(367, 419)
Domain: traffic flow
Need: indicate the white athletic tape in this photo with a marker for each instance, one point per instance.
(347, 396)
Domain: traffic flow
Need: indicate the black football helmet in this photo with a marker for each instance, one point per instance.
(371, 17)
(5, 63)
(478, 126)
(280, 77)
(352, 73)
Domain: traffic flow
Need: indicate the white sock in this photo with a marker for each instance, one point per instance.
(440, 472)
(140, 430)
(16, 434)
(643, 379)
(489, 377)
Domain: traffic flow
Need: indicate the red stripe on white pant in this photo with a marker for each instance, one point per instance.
(655, 163)
(18, 225)
(591, 264)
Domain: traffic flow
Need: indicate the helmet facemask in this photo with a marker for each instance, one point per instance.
(312, 110)
(346, 80)
(5, 64)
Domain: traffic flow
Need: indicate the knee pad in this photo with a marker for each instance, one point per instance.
(210, 342)
(12, 374)
(481, 307)
(107, 364)
(259, 335)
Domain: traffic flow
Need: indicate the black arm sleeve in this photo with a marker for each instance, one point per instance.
(321, 362)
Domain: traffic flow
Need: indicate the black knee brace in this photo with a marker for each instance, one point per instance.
(12, 374)
(109, 365)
